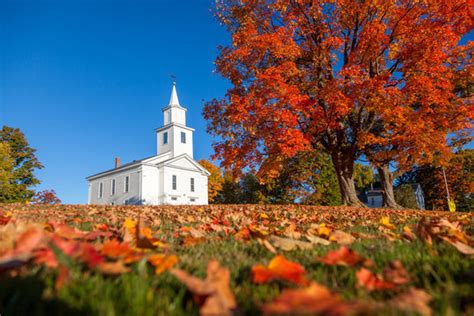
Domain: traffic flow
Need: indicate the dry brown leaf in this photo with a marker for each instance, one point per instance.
(267, 245)
(317, 240)
(288, 244)
(341, 237)
(461, 247)
(412, 301)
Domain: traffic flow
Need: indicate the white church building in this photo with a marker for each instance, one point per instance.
(171, 176)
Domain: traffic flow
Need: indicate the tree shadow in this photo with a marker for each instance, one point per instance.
(26, 296)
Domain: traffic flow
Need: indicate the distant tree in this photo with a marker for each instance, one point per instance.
(252, 191)
(24, 164)
(460, 178)
(6, 169)
(231, 192)
(363, 176)
(308, 178)
(215, 180)
(45, 197)
(405, 196)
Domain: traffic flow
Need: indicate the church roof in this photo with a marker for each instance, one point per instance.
(156, 161)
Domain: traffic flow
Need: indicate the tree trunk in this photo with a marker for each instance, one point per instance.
(388, 195)
(344, 167)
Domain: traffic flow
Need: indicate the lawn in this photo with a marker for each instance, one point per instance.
(234, 259)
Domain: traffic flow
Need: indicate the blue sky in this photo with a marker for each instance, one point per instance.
(86, 80)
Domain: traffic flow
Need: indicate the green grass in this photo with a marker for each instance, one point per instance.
(443, 272)
(447, 276)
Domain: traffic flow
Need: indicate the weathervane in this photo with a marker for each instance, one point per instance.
(173, 77)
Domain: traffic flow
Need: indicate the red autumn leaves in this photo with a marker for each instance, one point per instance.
(279, 268)
(103, 251)
(114, 247)
(314, 298)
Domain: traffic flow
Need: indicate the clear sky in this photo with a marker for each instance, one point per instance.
(86, 80)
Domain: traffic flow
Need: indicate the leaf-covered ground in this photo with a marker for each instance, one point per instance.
(239, 259)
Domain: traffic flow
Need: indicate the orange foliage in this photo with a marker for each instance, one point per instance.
(279, 268)
(345, 76)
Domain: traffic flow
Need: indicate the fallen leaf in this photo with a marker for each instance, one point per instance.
(396, 273)
(342, 257)
(412, 301)
(317, 240)
(461, 247)
(212, 294)
(279, 268)
(62, 277)
(368, 280)
(112, 268)
(314, 299)
(288, 244)
(267, 245)
(162, 262)
(408, 233)
(324, 231)
(341, 237)
(291, 232)
(385, 222)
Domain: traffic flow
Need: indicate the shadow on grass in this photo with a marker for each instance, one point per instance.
(26, 296)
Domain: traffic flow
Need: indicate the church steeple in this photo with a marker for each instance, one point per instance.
(174, 136)
(174, 112)
(174, 96)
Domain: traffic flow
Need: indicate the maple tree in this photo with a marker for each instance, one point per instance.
(214, 181)
(340, 76)
(45, 197)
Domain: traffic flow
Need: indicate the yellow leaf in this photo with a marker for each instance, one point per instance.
(129, 223)
(385, 222)
(162, 262)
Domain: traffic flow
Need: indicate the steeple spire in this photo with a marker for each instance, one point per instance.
(174, 96)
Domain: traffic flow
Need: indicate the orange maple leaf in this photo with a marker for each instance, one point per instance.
(279, 268)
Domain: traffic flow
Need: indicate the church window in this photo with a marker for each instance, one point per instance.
(174, 182)
(192, 199)
(112, 189)
(174, 198)
(101, 188)
(183, 137)
(192, 184)
(127, 182)
(165, 138)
